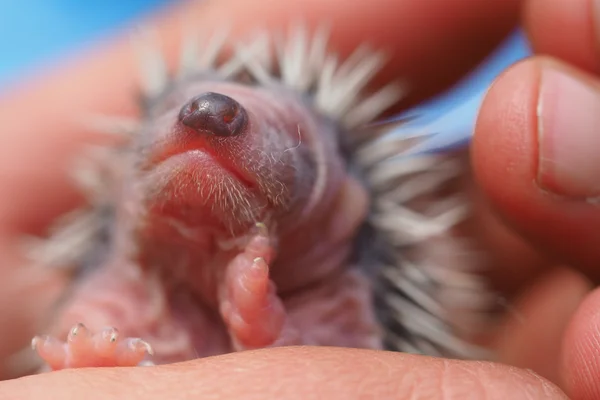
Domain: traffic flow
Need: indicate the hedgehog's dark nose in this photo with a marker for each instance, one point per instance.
(214, 113)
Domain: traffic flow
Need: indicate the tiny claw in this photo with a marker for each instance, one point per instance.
(110, 334)
(262, 229)
(41, 340)
(36, 340)
(260, 265)
(77, 330)
(139, 343)
(50, 350)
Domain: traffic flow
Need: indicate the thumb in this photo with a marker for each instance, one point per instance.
(536, 156)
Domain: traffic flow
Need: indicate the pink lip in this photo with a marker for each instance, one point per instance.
(175, 151)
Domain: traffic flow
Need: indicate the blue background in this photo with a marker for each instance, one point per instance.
(34, 31)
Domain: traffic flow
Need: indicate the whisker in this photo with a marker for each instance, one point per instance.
(299, 141)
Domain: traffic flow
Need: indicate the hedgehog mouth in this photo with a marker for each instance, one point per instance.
(187, 154)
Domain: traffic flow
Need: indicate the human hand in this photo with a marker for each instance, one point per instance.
(535, 156)
(104, 83)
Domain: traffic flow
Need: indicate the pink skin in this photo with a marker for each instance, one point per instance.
(224, 243)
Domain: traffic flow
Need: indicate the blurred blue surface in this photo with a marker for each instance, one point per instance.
(34, 31)
(450, 117)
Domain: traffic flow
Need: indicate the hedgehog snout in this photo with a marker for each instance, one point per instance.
(214, 114)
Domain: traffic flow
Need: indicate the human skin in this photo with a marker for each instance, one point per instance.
(557, 340)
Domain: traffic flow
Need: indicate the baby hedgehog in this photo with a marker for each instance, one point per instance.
(256, 204)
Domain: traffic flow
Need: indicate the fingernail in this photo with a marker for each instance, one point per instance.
(568, 136)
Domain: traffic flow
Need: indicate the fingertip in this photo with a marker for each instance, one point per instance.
(565, 29)
(504, 143)
(581, 351)
(294, 373)
(547, 305)
(509, 143)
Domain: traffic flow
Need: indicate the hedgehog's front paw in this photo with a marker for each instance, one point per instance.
(250, 306)
(87, 349)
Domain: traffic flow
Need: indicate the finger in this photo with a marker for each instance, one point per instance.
(512, 262)
(41, 122)
(540, 172)
(293, 373)
(581, 351)
(566, 29)
(532, 334)
(24, 298)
